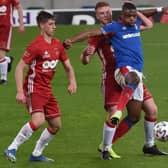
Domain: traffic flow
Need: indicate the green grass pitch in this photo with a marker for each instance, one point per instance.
(75, 146)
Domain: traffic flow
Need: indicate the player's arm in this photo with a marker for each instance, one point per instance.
(87, 54)
(151, 12)
(147, 24)
(71, 76)
(82, 36)
(20, 15)
(20, 97)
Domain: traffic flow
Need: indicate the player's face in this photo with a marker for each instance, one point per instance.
(49, 27)
(104, 14)
(129, 17)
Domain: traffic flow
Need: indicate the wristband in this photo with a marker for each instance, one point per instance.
(159, 9)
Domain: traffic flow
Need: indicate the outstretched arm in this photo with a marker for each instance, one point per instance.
(151, 12)
(81, 37)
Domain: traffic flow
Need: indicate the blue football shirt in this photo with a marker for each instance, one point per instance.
(127, 44)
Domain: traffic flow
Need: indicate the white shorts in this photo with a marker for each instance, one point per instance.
(120, 74)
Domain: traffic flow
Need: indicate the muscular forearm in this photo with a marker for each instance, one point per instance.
(149, 12)
(19, 80)
(147, 23)
(19, 76)
(85, 35)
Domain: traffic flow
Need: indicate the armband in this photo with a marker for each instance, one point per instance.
(159, 9)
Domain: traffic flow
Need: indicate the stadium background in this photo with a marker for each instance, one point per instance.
(62, 4)
(78, 12)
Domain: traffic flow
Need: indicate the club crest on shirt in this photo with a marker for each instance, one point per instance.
(46, 54)
(124, 28)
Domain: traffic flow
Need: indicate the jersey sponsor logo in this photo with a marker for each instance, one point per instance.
(3, 9)
(49, 64)
(131, 35)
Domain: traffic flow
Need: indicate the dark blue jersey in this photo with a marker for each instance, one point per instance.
(127, 44)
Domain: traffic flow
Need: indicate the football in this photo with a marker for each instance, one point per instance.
(161, 131)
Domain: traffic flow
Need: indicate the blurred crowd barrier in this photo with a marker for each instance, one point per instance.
(76, 16)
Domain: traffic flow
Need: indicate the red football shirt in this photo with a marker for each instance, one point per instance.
(110, 89)
(42, 58)
(6, 11)
(105, 52)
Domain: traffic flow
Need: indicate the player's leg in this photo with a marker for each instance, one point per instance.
(52, 114)
(150, 109)
(46, 136)
(35, 106)
(128, 79)
(134, 114)
(111, 93)
(108, 134)
(3, 67)
(10, 60)
(5, 40)
(23, 135)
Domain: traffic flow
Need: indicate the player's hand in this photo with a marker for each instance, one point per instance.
(165, 10)
(20, 98)
(72, 87)
(67, 43)
(89, 50)
(21, 28)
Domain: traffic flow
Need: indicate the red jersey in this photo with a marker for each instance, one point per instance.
(42, 58)
(110, 89)
(6, 11)
(105, 52)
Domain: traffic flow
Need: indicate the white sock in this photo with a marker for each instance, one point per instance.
(149, 134)
(23, 135)
(108, 134)
(3, 68)
(8, 59)
(42, 142)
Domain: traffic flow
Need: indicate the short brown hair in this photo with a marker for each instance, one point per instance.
(101, 4)
(43, 17)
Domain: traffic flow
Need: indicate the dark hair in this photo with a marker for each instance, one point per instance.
(128, 6)
(43, 17)
(101, 4)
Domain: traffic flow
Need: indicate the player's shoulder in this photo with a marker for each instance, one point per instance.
(35, 43)
(58, 43)
(55, 40)
(38, 41)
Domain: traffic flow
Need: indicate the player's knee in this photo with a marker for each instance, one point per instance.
(134, 118)
(56, 127)
(132, 78)
(112, 120)
(152, 112)
(38, 123)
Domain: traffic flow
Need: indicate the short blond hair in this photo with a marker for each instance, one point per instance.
(101, 4)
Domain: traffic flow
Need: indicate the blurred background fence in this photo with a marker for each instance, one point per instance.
(78, 12)
(66, 4)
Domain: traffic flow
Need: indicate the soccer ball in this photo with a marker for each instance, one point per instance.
(161, 131)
